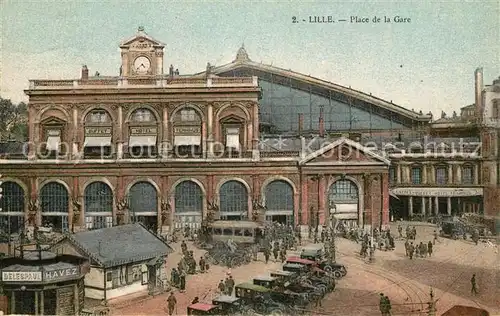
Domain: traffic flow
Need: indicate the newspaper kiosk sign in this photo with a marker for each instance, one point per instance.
(21, 276)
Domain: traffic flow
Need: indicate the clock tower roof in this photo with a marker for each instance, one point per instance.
(141, 35)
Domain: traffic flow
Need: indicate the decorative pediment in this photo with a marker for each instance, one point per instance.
(341, 151)
(232, 118)
(141, 41)
(53, 121)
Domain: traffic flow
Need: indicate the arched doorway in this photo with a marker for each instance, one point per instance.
(11, 209)
(188, 204)
(143, 204)
(54, 199)
(343, 201)
(98, 198)
(279, 202)
(233, 197)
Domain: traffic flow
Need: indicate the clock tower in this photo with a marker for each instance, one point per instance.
(142, 56)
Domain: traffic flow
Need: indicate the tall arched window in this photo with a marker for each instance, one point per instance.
(98, 133)
(143, 204)
(98, 198)
(343, 201)
(12, 208)
(188, 204)
(233, 198)
(54, 200)
(143, 131)
(279, 202)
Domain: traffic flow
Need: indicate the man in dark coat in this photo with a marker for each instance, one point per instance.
(171, 303)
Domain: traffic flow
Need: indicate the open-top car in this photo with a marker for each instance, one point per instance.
(259, 299)
(315, 275)
(229, 305)
(282, 274)
(266, 281)
(203, 309)
(315, 253)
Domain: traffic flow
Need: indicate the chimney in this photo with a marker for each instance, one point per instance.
(321, 123)
(171, 71)
(85, 73)
(478, 80)
(301, 123)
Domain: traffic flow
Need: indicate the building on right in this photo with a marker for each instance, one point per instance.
(488, 108)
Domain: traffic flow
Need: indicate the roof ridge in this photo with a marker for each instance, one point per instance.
(84, 249)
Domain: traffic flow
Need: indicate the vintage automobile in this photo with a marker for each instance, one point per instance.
(229, 305)
(452, 229)
(317, 277)
(259, 299)
(316, 254)
(203, 309)
(266, 281)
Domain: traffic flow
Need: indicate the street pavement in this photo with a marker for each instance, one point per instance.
(406, 282)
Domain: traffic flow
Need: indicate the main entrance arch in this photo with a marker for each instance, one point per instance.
(279, 202)
(233, 197)
(343, 200)
(143, 204)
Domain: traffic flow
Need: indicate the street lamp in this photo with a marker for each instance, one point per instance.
(333, 222)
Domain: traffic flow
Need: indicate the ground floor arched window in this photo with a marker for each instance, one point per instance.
(279, 202)
(11, 210)
(143, 205)
(343, 201)
(98, 201)
(188, 205)
(233, 197)
(54, 199)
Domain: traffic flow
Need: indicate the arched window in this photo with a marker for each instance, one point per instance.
(98, 133)
(188, 204)
(143, 133)
(54, 200)
(12, 208)
(343, 191)
(188, 197)
(233, 198)
(98, 198)
(279, 202)
(143, 204)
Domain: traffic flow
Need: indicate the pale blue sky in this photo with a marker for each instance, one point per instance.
(439, 49)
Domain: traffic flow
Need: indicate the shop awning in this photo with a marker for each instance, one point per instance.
(97, 141)
(142, 141)
(233, 141)
(53, 142)
(187, 140)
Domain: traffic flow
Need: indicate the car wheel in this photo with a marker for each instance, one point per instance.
(328, 269)
(337, 274)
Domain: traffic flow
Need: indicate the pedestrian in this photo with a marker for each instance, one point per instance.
(227, 287)
(221, 287)
(174, 277)
(184, 247)
(429, 248)
(282, 255)
(382, 305)
(473, 289)
(267, 254)
(407, 247)
(230, 285)
(255, 252)
(411, 249)
(388, 306)
(171, 303)
(202, 265)
(276, 250)
(182, 281)
(435, 236)
(400, 231)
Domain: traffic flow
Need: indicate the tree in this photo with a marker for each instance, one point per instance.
(13, 120)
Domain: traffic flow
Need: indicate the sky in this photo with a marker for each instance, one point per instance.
(425, 64)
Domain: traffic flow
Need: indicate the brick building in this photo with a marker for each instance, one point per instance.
(165, 149)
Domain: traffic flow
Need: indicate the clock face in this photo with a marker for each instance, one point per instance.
(142, 65)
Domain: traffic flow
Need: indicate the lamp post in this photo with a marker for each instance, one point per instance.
(333, 222)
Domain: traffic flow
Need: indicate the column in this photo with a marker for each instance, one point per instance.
(423, 206)
(76, 301)
(119, 133)
(410, 206)
(433, 174)
(321, 199)
(430, 206)
(75, 132)
(450, 174)
(436, 205)
(164, 139)
(459, 174)
(398, 173)
(303, 207)
(255, 140)
(424, 174)
(476, 174)
(448, 202)
(42, 303)
(210, 130)
(408, 173)
(36, 303)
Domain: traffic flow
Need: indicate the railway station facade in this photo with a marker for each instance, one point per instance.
(233, 141)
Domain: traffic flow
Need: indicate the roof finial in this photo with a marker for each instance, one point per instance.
(140, 28)
(242, 54)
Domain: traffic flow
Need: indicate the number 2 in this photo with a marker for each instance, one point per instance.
(294, 19)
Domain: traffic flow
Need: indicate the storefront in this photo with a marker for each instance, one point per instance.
(43, 283)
